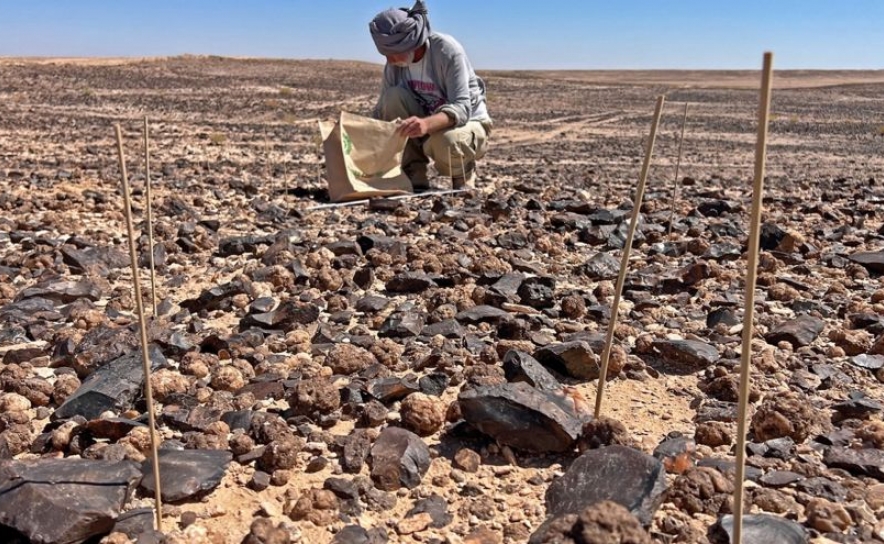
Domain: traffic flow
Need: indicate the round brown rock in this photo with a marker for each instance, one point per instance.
(423, 414)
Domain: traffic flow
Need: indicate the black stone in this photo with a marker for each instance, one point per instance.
(398, 458)
(286, 317)
(573, 359)
(624, 475)
(691, 355)
(64, 500)
(410, 282)
(799, 332)
(402, 325)
(434, 505)
(61, 291)
(521, 416)
(482, 314)
(521, 367)
(186, 474)
(761, 529)
(872, 260)
(601, 266)
(864, 462)
(448, 328)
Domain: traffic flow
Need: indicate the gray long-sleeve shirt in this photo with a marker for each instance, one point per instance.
(446, 65)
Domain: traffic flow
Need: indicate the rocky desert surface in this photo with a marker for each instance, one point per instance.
(424, 369)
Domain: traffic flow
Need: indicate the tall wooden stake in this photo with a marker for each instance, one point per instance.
(145, 355)
(624, 261)
(751, 273)
(153, 272)
(677, 165)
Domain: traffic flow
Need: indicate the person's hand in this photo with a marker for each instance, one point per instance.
(413, 127)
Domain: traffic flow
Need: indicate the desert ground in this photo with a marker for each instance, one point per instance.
(297, 338)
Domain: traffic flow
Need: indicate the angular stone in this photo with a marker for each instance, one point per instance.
(394, 388)
(64, 501)
(93, 260)
(372, 304)
(521, 367)
(114, 386)
(869, 362)
(823, 488)
(135, 523)
(402, 325)
(448, 328)
(601, 266)
(28, 311)
(186, 474)
(770, 236)
(725, 316)
(410, 282)
(482, 314)
(691, 355)
(436, 507)
(216, 298)
(617, 473)
(238, 245)
(799, 332)
(101, 345)
(521, 416)
(858, 407)
(763, 529)
(872, 260)
(62, 291)
(398, 458)
(573, 359)
(864, 462)
(385, 244)
(286, 317)
(112, 429)
(780, 478)
(538, 292)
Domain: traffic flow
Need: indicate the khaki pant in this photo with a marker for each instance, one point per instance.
(454, 151)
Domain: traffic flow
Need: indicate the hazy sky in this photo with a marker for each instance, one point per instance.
(505, 34)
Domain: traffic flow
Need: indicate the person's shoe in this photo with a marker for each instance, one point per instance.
(461, 182)
(419, 180)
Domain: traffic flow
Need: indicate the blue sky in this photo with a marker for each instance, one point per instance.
(504, 34)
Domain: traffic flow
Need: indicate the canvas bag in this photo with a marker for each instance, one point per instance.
(363, 158)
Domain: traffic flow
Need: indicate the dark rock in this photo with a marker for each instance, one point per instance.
(482, 314)
(869, 362)
(186, 474)
(238, 245)
(344, 248)
(216, 298)
(385, 244)
(521, 367)
(770, 236)
(761, 529)
(624, 475)
(114, 386)
(521, 416)
(61, 291)
(723, 252)
(64, 500)
(448, 328)
(372, 304)
(601, 266)
(437, 507)
(402, 325)
(573, 359)
(434, 384)
(135, 522)
(716, 208)
(692, 355)
(398, 458)
(410, 282)
(93, 260)
(799, 332)
(538, 292)
(722, 315)
(394, 388)
(864, 462)
(858, 408)
(111, 429)
(823, 488)
(356, 448)
(286, 317)
(780, 478)
(872, 260)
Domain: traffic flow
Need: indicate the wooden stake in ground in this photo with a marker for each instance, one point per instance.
(751, 273)
(677, 165)
(153, 272)
(145, 356)
(624, 261)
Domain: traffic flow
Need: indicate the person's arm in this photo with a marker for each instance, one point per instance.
(416, 127)
(386, 83)
(455, 72)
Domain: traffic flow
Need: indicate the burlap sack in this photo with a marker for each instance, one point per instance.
(363, 158)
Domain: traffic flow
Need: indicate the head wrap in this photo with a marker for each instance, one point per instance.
(397, 31)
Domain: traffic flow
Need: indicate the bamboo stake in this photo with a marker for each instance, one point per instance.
(751, 273)
(677, 165)
(153, 272)
(624, 261)
(145, 356)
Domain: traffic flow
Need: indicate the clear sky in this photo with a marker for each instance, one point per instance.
(504, 34)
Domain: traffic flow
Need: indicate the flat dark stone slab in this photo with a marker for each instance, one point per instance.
(64, 501)
(448, 328)
(480, 314)
(624, 475)
(521, 367)
(115, 386)
(186, 474)
(216, 298)
(410, 282)
(869, 362)
(764, 529)
(872, 260)
(288, 315)
(62, 291)
(865, 462)
(601, 266)
(689, 354)
(521, 416)
(799, 332)
(402, 325)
